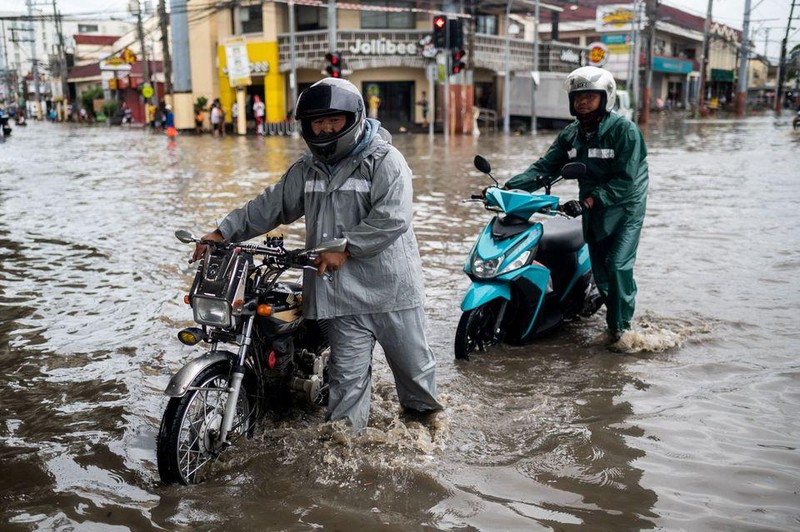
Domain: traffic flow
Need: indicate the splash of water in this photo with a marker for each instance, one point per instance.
(655, 334)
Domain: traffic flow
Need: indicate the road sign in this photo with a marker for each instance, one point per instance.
(147, 90)
(598, 54)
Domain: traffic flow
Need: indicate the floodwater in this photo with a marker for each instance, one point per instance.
(697, 427)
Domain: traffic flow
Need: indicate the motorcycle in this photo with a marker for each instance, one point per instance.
(238, 297)
(530, 268)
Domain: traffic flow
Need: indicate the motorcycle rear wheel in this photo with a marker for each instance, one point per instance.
(186, 446)
(475, 330)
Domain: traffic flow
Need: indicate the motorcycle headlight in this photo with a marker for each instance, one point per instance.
(485, 268)
(211, 311)
(517, 263)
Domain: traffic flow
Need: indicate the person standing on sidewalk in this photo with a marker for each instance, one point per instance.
(259, 110)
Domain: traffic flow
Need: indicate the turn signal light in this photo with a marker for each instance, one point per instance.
(191, 336)
(272, 360)
(187, 299)
(264, 310)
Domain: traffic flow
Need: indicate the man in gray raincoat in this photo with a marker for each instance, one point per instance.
(352, 184)
(612, 196)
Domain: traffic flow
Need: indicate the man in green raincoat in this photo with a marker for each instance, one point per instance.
(612, 196)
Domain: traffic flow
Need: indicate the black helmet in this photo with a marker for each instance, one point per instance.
(331, 96)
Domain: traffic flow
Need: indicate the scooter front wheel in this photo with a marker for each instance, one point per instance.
(475, 330)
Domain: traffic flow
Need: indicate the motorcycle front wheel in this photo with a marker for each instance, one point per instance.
(187, 445)
(475, 330)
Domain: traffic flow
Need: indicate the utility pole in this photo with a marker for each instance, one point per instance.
(35, 69)
(507, 80)
(637, 52)
(741, 93)
(701, 86)
(651, 20)
(535, 67)
(332, 38)
(166, 59)
(140, 28)
(62, 59)
(6, 65)
(779, 80)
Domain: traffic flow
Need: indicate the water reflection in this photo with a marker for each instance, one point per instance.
(559, 434)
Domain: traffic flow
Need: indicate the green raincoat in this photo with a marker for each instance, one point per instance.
(617, 179)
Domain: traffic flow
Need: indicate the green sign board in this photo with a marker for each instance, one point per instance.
(147, 90)
(718, 74)
(672, 65)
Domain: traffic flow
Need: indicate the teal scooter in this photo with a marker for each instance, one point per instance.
(530, 268)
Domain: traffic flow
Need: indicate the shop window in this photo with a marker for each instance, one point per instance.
(486, 24)
(378, 20)
(311, 18)
(251, 19)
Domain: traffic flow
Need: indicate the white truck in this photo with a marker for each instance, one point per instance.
(552, 103)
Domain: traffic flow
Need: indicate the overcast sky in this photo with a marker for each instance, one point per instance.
(768, 17)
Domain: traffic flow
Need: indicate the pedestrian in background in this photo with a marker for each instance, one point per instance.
(199, 120)
(423, 104)
(215, 117)
(259, 110)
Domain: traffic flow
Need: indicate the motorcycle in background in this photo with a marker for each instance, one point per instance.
(530, 268)
(238, 297)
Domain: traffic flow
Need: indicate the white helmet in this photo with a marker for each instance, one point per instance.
(593, 79)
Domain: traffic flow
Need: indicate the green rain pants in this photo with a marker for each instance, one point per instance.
(612, 259)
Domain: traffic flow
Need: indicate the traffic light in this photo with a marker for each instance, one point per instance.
(457, 65)
(456, 34)
(334, 68)
(440, 31)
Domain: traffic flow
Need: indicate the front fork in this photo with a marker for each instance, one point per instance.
(235, 384)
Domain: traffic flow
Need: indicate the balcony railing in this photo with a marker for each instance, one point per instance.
(362, 49)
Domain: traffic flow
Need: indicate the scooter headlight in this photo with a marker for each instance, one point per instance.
(485, 268)
(517, 263)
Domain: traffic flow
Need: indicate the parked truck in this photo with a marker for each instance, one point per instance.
(552, 102)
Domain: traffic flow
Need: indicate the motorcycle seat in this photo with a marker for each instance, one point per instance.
(562, 235)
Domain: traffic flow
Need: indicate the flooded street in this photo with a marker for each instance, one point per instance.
(696, 430)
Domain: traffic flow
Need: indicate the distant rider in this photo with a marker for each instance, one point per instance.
(612, 196)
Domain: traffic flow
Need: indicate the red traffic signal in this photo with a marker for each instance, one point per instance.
(334, 68)
(457, 65)
(440, 31)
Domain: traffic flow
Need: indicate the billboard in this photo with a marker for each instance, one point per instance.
(615, 17)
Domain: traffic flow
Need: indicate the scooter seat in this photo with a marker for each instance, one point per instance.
(562, 235)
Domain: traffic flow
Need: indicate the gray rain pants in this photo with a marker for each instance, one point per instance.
(401, 334)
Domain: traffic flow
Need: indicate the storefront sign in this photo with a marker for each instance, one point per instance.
(114, 63)
(128, 56)
(615, 17)
(619, 49)
(570, 56)
(258, 68)
(598, 54)
(237, 62)
(672, 65)
(383, 47)
(718, 74)
(624, 38)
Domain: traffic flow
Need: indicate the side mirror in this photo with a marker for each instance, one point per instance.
(185, 236)
(482, 164)
(337, 245)
(573, 171)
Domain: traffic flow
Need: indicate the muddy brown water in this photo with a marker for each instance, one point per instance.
(696, 428)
